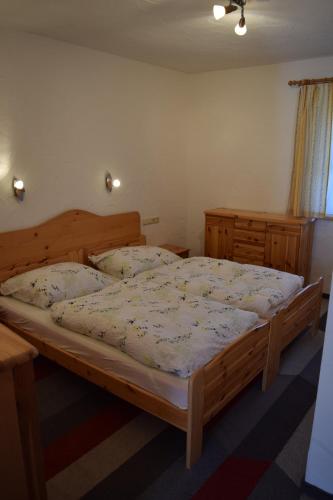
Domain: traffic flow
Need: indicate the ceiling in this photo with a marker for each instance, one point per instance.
(181, 34)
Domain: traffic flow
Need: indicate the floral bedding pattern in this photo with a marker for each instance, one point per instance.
(155, 323)
(247, 287)
(127, 262)
(44, 286)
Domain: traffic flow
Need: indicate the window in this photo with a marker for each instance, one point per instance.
(311, 191)
(329, 198)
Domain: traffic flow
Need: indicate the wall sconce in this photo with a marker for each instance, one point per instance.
(18, 188)
(111, 183)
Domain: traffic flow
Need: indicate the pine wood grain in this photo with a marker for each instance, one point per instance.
(253, 217)
(21, 455)
(13, 476)
(29, 430)
(69, 236)
(272, 240)
(77, 233)
(198, 412)
(302, 311)
(14, 350)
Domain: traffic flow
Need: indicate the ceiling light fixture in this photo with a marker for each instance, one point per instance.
(220, 11)
(241, 28)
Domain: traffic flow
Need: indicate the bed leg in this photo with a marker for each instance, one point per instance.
(316, 321)
(195, 418)
(273, 355)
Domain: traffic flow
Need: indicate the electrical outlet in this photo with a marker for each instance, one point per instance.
(151, 220)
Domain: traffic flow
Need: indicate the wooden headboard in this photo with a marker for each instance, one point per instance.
(70, 236)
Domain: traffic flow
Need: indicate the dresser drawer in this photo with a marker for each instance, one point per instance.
(254, 225)
(251, 254)
(272, 240)
(284, 228)
(249, 236)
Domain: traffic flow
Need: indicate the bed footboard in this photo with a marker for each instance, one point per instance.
(212, 387)
(302, 311)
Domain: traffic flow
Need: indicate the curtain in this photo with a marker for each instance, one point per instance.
(312, 151)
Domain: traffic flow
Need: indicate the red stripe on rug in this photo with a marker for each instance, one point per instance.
(43, 367)
(235, 479)
(71, 446)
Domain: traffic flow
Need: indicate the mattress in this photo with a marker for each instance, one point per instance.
(34, 320)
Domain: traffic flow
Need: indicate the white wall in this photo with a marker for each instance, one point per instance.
(68, 114)
(320, 459)
(179, 143)
(240, 146)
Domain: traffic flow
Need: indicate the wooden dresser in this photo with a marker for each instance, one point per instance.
(272, 240)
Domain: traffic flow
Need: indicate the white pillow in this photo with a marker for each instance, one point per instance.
(127, 262)
(44, 286)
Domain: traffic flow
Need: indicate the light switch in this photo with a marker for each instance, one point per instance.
(151, 220)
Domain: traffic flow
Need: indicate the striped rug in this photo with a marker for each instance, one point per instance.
(97, 446)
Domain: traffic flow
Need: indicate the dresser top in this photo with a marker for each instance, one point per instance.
(263, 216)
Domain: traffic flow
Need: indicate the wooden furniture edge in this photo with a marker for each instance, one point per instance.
(242, 360)
(190, 420)
(26, 398)
(14, 350)
(264, 216)
(107, 380)
(22, 463)
(195, 421)
(13, 473)
(69, 236)
(199, 410)
(178, 250)
(98, 249)
(75, 246)
(271, 240)
(292, 319)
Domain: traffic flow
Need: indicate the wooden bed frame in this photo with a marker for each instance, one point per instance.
(302, 311)
(75, 234)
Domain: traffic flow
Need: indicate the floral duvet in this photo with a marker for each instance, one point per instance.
(251, 288)
(156, 323)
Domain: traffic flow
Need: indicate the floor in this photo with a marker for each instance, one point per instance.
(99, 447)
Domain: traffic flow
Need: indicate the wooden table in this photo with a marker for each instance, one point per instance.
(21, 469)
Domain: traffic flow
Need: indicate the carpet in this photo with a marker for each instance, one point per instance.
(97, 446)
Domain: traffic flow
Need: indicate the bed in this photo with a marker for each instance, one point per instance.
(274, 295)
(74, 235)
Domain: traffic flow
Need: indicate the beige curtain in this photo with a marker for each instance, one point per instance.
(312, 151)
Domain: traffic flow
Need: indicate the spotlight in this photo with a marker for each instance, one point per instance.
(18, 188)
(219, 11)
(241, 28)
(111, 183)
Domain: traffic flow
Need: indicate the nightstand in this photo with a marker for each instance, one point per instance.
(181, 251)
